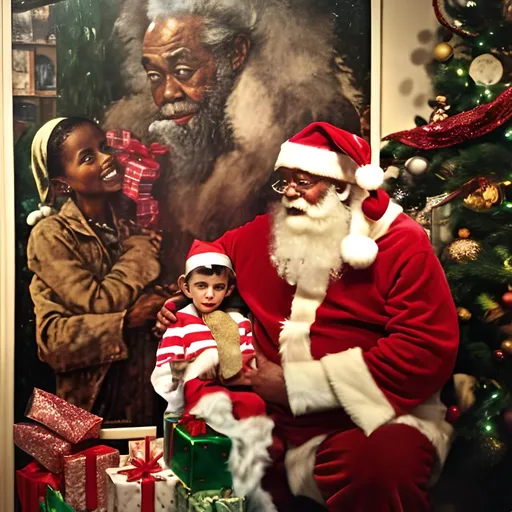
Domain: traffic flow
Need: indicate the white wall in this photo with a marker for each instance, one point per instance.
(408, 38)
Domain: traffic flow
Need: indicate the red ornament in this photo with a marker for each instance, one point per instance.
(452, 414)
(459, 128)
(498, 354)
(507, 299)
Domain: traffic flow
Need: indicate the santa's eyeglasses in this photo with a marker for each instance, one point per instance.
(301, 185)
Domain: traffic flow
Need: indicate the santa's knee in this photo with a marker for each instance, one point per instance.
(396, 458)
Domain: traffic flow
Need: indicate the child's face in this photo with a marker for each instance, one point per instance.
(207, 292)
(88, 170)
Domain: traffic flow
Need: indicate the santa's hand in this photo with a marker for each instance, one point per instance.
(268, 381)
(240, 379)
(165, 317)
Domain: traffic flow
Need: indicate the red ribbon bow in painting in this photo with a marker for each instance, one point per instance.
(145, 472)
(194, 426)
(141, 169)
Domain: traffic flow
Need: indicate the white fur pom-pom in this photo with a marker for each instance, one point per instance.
(34, 217)
(369, 177)
(358, 251)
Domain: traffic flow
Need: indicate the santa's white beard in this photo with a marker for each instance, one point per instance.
(306, 248)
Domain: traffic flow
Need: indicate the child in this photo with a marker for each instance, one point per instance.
(91, 276)
(193, 350)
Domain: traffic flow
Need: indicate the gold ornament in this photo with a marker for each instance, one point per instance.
(463, 250)
(493, 314)
(464, 314)
(483, 198)
(506, 346)
(443, 52)
(508, 265)
(464, 233)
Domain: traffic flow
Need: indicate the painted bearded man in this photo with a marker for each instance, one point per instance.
(356, 332)
(229, 82)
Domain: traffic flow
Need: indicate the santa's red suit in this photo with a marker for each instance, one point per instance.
(381, 342)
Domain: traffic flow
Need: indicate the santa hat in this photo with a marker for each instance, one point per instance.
(324, 150)
(205, 254)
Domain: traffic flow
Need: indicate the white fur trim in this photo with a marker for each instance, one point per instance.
(300, 464)
(250, 440)
(355, 388)
(317, 161)
(207, 259)
(308, 388)
(369, 177)
(358, 251)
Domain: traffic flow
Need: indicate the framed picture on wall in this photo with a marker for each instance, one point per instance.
(22, 30)
(23, 83)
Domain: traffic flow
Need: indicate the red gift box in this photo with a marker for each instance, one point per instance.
(85, 477)
(45, 446)
(70, 422)
(31, 482)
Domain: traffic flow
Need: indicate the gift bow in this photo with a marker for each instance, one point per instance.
(143, 469)
(123, 140)
(194, 426)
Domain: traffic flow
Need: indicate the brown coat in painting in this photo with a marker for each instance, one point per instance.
(81, 299)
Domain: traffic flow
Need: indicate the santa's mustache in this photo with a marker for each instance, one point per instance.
(298, 203)
(180, 108)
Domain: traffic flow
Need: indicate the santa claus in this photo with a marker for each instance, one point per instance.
(356, 331)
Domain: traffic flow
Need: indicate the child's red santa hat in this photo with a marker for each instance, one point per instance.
(325, 150)
(205, 254)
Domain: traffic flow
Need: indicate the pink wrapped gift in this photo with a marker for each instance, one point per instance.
(46, 447)
(85, 477)
(137, 449)
(70, 422)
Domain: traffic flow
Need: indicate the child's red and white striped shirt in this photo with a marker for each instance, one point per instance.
(190, 336)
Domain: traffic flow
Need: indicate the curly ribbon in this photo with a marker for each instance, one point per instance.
(144, 471)
(194, 426)
(467, 188)
(453, 28)
(459, 128)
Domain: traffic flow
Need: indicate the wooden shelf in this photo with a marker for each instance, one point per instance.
(25, 43)
(38, 94)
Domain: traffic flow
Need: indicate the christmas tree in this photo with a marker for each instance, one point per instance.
(453, 174)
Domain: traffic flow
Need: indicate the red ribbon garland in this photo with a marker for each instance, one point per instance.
(194, 426)
(143, 471)
(459, 128)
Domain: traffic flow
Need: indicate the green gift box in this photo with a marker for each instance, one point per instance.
(200, 461)
(169, 424)
(206, 501)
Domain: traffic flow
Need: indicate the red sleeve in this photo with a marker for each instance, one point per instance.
(418, 355)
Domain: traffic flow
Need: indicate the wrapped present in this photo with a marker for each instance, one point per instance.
(140, 170)
(70, 422)
(199, 457)
(31, 483)
(142, 487)
(85, 477)
(54, 502)
(207, 501)
(145, 450)
(170, 422)
(45, 446)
